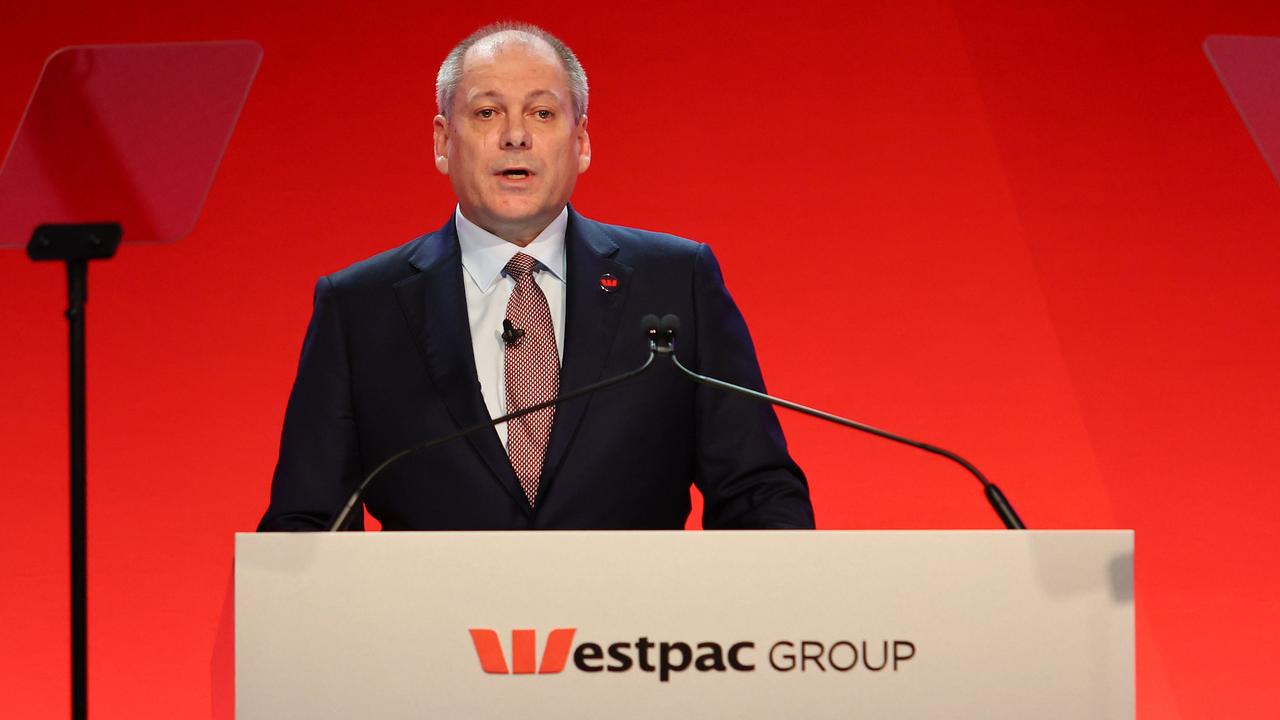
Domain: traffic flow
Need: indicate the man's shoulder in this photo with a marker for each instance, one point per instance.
(389, 266)
(637, 245)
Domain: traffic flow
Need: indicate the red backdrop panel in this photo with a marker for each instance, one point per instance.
(1037, 234)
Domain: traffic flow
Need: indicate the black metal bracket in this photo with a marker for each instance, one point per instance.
(79, 241)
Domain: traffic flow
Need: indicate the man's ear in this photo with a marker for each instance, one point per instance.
(584, 146)
(440, 143)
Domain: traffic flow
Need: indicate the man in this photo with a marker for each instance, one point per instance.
(518, 297)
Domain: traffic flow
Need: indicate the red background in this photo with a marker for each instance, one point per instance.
(1037, 233)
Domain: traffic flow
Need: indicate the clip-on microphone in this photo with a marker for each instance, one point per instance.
(510, 333)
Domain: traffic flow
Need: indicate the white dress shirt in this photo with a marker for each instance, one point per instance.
(484, 255)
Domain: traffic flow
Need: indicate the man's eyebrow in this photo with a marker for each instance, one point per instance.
(475, 94)
(494, 94)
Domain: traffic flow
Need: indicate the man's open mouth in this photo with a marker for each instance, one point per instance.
(516, 173)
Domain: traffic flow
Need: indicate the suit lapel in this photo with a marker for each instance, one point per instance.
(591, 323)
(435, 306)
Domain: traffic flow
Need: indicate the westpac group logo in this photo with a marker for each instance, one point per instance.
(524, 650)
(668, 658)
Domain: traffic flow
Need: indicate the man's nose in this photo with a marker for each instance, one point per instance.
(515, 134)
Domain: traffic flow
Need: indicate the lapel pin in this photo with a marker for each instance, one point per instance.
(609, 282)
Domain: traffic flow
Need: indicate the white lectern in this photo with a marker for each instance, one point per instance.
(995, 624)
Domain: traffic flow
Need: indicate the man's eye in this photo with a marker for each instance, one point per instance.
(485, 114)
(544, 114)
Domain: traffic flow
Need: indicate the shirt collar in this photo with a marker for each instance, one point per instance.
(484, 254)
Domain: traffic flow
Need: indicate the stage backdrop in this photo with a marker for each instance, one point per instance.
(1037, 233)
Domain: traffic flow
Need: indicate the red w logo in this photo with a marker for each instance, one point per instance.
(524, 648)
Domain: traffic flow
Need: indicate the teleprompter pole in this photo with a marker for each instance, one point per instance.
(76, 245)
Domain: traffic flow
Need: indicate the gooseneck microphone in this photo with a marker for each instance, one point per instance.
(343, 517)
(662, 339)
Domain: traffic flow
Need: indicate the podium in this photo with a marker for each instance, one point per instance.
(751, 624)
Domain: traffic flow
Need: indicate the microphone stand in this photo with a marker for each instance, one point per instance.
(341, 520)
(662, 340)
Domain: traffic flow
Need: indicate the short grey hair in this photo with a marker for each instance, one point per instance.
(451, 69)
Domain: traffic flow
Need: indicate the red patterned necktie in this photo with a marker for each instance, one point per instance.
(532, 374)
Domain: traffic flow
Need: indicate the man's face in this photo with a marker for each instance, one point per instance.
(511, 146)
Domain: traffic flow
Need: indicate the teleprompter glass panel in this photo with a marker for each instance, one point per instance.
(124, 133)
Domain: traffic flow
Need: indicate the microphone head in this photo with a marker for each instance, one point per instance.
(649, 325)
(669, 326)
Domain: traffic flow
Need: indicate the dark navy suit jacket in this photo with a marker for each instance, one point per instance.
(387, 363)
